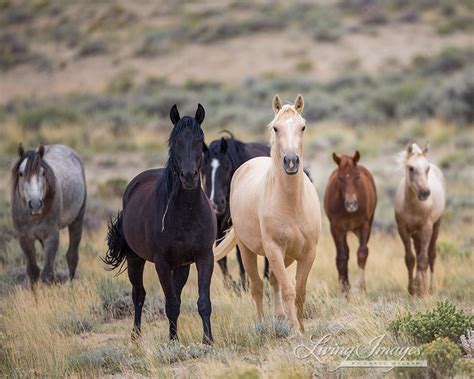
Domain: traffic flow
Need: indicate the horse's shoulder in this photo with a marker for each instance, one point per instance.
(151, 176)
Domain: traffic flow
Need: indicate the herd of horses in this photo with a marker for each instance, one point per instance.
(207, 200)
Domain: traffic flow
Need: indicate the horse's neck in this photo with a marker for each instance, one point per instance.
(288, 187)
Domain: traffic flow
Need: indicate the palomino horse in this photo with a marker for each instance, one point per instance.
(276, 213)
(419, 206)
(221, 159)
(48, 193)
(168, 220)
(350, 202)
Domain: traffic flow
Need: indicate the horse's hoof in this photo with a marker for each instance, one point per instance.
(136, 334)
(207, 340)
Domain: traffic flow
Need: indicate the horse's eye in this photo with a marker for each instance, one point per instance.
(303, 128)
(340, 178)
(21, 174)
(275, 129)
(427, 170)
(411, 169)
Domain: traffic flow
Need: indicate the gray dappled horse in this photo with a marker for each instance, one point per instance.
(48, 193)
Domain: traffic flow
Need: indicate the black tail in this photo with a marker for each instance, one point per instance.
(117, 252)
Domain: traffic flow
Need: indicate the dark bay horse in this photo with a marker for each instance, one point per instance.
(350, 202)
(167, 219)
(221, 159)
(48, 193)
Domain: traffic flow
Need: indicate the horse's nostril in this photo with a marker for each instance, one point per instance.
(195, 172)
(30, 204)
(297, 160)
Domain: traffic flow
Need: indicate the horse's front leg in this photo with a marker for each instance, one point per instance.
(171, 301)
(409, 257)
(205, 266)
(363, 253)
(303, 269)
(422, 259)
(342, 257)
(50, 244)
(32, 269)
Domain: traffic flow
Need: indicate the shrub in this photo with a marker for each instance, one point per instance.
(12, 51)
(446, 320)
(113, 187)
(115, 298)
(33, 119)
(108, 358)
(467, 342)
(175, 352)
(442, 356)
(92, 47)
(121, 83)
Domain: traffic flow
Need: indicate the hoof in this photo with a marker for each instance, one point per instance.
(136, 334)
(207, 340)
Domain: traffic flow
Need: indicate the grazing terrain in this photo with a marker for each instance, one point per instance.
(102, 77)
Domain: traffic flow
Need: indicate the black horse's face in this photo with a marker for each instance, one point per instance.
(217, 173)
(186, 142)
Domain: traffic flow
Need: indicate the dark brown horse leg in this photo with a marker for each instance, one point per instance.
(180, 277)
(171, 301)
(363, 253)
(243, 277)
(135, 266)
(432, 253)
(50, 244)
(409, 257)
(205, 266)
(32, 269)
(342, 257)
(422, 259)
(75, 235)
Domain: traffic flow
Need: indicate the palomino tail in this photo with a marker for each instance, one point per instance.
(226, 246)
(117, 246)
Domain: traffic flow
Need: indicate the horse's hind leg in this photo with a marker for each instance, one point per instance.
(363, 253)
(432, 253)
(75, 235)
(50, 244)
(32, 269)
(256, 284)
(135, 266)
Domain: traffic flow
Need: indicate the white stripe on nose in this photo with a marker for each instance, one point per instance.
(214, 164)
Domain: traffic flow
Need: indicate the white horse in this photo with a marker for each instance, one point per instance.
(419, 205)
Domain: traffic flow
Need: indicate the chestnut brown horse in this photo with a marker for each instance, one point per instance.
(350, 202)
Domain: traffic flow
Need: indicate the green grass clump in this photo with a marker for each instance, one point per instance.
(442, 356)
(107, 359)
(445, 320)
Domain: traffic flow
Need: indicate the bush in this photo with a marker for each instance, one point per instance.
(174, 352)
(33, 119)
(113, 187)
(92, 47)
(115, 298)
(442, 356)
(107, 358)
(446, 320)
(12, 51)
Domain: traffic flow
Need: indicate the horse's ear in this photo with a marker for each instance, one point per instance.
(356, 157)
(41, 151)
(426, 148)
(299, 103)
(205, 149)
(21, 150)
(223, 145)
(336, 158)
(174, 115)
(200, 114)
(410, 148)
(276, 104)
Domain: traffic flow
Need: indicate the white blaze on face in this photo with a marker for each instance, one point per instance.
(289, 124)
(215, 165)
(32, 189)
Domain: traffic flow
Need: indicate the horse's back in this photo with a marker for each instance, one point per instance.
(68, 170)
(257, 149)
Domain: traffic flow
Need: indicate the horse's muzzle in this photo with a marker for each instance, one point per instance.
(351, 206)
(291, 164)
(189, 179)
(35, 206)
(423, 194)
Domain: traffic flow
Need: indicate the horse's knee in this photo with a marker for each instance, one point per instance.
(422, 262)
(341, 263)
(289, 294)
(256, 288)
(204, 307)
(409, 260)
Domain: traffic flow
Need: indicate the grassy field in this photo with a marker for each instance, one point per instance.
(101, 77)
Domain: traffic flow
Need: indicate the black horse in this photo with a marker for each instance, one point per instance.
(221, 159)
(168, 220)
